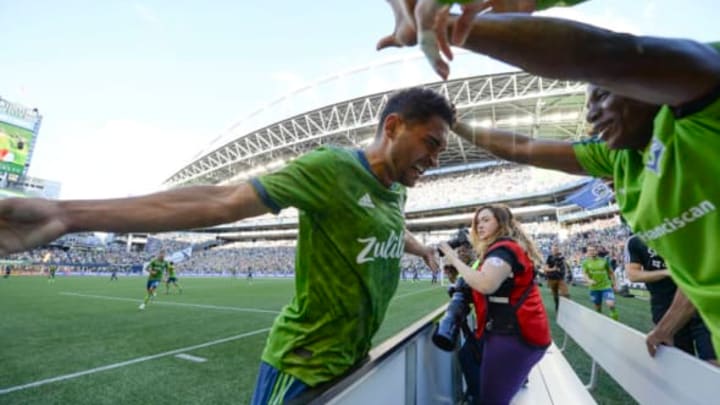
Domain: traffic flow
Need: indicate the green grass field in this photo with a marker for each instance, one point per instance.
(93, 326)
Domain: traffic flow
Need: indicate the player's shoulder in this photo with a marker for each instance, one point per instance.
(634, 242)
(329, 152)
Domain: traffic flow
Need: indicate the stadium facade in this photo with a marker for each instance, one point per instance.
(516, 101)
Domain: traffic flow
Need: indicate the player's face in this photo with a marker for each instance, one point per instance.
(487, 225)
(621, 122)
(591, 251)
(416, 147)
(555, 250)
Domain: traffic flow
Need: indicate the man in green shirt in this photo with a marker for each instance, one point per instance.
(350, 239)
(156, 268)
(655, 105)
(172, 278)
(51, 273)
(601, 281)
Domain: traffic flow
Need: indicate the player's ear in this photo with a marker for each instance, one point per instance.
(392, 125)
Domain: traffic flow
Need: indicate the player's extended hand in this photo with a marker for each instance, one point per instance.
(405, 33)
(428, 257)
(655, 338)
(428, 19)
(29, 222)
(447, 251)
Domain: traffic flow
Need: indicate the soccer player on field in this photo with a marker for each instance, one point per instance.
(655, 105)
(172, 278)
(51, 273)
(351, 236)
(601, 280)
(155, 268)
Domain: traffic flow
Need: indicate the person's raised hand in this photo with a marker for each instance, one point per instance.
(405, 32)
(29, 222)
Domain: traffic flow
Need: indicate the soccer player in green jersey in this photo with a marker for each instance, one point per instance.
(351, 235)
(51, 273)
(156, 268)
(601, 281)
(655, 105)
(172, 278)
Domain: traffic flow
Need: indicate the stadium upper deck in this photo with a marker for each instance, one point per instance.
(537, 106)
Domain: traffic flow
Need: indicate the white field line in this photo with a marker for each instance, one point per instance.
(192, 358)
(178, 352)
(129, 362)
(177, 304)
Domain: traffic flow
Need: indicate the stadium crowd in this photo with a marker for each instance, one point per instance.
(278, 258)
(492, 183)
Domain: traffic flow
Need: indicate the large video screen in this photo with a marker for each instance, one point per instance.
(14, 147)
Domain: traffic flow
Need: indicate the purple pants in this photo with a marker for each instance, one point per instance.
(506, 363)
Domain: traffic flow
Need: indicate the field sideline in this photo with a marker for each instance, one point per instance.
(82, 340)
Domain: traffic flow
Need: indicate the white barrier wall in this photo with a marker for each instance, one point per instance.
(406, 369)
(671, 377)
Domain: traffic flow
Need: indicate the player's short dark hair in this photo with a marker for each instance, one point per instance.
(417, 105)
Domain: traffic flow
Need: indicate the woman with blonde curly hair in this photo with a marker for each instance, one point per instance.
(512, 322)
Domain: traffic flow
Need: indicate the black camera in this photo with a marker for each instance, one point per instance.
(461, 238)
(448, 329)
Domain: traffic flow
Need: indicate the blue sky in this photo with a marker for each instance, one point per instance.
(131, 90)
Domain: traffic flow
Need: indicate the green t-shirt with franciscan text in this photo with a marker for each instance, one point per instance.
(347, 264)
(669, 195)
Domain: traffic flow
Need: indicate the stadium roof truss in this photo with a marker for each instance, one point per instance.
(531, 105)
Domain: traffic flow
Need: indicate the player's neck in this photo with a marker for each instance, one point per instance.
(376, 159)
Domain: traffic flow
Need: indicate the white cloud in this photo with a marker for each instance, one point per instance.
(649, 13)
(146, 13)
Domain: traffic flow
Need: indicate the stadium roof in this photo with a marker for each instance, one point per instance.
(536, 106)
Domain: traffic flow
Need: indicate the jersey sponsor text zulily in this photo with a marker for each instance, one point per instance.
(391, 248)
(671, 225)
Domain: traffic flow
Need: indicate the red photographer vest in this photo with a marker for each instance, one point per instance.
(516, 307)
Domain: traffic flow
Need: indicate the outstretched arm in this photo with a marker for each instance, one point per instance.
(27, 223)
(494, 271)
(415, 247)
(653, 70)
(556, 155)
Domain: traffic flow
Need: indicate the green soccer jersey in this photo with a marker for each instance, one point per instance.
(669, 196)
(158, 266)
(171, 270)
(597, 270)
(347, 263)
